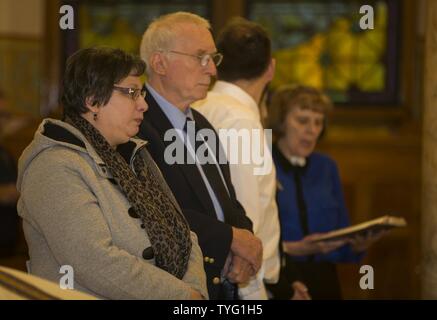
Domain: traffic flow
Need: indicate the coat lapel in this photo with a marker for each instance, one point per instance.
(161, 123)
(224, 167)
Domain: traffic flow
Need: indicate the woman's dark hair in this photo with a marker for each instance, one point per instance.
(92, 73)
(246, 49)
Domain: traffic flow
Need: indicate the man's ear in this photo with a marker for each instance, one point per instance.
(159, 63)
(270, 72)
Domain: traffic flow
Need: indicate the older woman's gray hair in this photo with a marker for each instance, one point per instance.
(289, 97)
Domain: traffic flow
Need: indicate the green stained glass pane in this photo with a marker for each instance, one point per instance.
(321, 43)
(121, 24)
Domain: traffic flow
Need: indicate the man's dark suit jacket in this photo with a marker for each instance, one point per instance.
(185, 181)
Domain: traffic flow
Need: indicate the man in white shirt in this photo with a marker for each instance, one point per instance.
(246, 70)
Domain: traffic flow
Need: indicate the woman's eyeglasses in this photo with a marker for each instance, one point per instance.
(133, 93)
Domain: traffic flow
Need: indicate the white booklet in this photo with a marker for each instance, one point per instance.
(375, 225)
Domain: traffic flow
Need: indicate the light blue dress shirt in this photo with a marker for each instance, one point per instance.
(178, 120)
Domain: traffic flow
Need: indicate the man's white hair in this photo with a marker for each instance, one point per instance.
(162, 31)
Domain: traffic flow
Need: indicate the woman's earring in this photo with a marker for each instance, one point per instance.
(95, 116)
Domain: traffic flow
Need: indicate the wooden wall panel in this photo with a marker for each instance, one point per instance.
(382, 176)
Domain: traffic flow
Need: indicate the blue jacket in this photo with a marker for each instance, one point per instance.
(324, 201)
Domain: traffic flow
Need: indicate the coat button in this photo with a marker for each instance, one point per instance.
(148, 253)
(216, 280)
(132, 213)
(211, 260)
(206, 259)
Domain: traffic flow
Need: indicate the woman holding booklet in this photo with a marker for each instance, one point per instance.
(310, 198)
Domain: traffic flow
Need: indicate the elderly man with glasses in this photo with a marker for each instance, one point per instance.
(181, 59)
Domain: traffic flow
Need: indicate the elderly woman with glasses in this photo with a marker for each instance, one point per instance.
(93, 199)
(310, 198)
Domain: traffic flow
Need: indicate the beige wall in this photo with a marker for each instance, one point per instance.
(22, 18)
(22, 36)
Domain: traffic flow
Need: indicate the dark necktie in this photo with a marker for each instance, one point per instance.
(211, 171)
(228, 290)
(301, 205)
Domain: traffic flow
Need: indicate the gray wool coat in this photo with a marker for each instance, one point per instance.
(74, 214)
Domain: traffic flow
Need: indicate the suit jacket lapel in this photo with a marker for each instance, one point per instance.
(224, 167)
(218, 148)
(159, 120)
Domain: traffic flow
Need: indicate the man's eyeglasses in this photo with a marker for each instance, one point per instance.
(204, 59)
(133, 93)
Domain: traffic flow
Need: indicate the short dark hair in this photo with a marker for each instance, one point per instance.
(246, 49)
(92, 72)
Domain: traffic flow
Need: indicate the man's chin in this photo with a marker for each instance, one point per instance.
(202, 95)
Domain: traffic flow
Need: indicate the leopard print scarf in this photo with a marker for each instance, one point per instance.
(147, 193)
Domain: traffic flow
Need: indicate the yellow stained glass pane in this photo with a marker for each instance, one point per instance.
(321, 43)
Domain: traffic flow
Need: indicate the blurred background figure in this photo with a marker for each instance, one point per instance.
(310, 198)
(8, 191)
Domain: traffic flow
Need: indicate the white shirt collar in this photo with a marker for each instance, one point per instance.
(237, 93)
(297, 161)
(176, 116)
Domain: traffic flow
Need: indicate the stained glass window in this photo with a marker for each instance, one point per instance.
(320, 43)
(121, 23)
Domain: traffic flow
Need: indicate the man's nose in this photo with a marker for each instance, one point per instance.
(211, 68)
